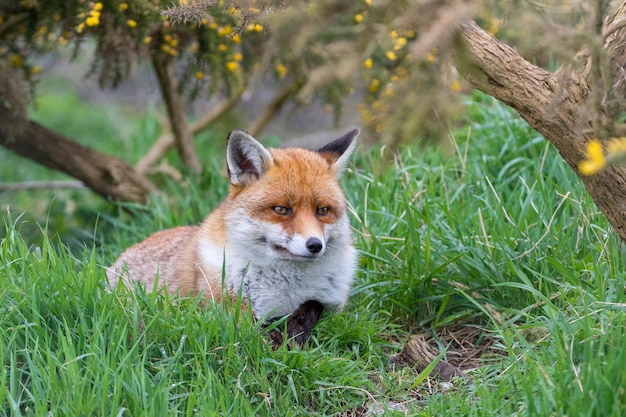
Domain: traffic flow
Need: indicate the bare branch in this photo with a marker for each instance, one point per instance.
(183, 138)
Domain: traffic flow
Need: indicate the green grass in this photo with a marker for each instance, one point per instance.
(495, 233)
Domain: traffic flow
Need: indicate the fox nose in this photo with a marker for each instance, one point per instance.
(314, 245)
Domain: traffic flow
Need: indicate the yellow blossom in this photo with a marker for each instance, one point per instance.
(97, 6)
(147, 40)
(222, 47)
(400, 42)
(36, 69)
(431, 58)
(616, 147)
(224, 30)
(18, 61)
(456, 86)
(368, 63)
(394, 34)
(199, 75)
(595, 161)
(236, 38)
(368, 2)
(92, 21)
(131, 23)
(255, 27)
(391, 55)
(281, 70)
(80, 27)
(123, 6)
(232, 66)
(373, 87)
(62, 41)
(213, 25)
(358, 18)
(237, 56)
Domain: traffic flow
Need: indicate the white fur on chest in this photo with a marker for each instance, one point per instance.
(277, 287)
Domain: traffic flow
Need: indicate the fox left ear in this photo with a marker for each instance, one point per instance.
(338, 151)
(246, 158)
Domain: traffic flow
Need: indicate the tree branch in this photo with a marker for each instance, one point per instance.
(556, 105)
(164, 68)
(108, 176)
(165, 141)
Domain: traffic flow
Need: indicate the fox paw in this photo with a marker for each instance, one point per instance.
(300, 323)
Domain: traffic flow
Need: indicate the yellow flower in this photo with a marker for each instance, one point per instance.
(236, 38)
(255, 27)
(224, 30)
(237, 56)
(222, 47)
(281, 70)
(18, 61)
(595, 161)
(391, 55)
(394, 34)
(199, 75)
(456, 86)
(368, 2)
(97, 6)
(80, 27)
(36, 69)
(368, 63)
(123, 6)
(131, 23)
(232, 66)
(616, 147)
(92, 21)
(373, 87)
(147, 40)
(400, 42)
(431, 57)
(358, 18)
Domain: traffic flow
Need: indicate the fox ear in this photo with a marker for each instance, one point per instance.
(246, 158)
(338, 151)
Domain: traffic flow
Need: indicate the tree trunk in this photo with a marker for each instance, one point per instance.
(164, 67)
(108, 176)
(556, 105)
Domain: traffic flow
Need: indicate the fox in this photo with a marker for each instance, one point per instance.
(280, 240)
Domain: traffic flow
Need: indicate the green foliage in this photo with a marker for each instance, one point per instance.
(494, 233)
(125, 32)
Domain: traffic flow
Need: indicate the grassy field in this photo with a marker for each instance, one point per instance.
(493, 237)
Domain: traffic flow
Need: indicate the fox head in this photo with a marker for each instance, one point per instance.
(287, 203)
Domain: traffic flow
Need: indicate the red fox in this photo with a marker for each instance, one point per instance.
(281, 237)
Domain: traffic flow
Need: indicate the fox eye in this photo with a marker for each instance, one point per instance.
(322, 211)
(282, 210)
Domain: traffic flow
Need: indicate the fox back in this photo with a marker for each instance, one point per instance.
(280, 238)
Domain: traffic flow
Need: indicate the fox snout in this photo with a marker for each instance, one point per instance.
(314, 245)
(298, 247)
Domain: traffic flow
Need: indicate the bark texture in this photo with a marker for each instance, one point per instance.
(108, 176)
(556, 105)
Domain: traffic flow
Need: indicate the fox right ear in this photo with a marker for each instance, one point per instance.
(246, 158)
